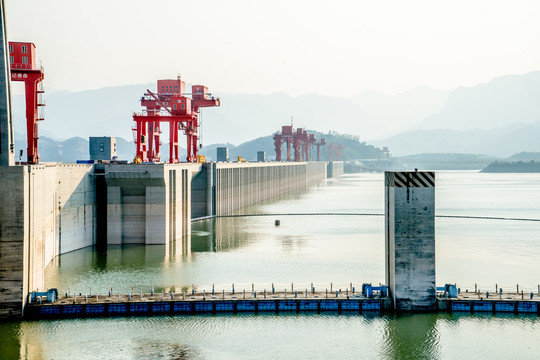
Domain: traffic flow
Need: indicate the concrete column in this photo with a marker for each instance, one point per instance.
(156, 231)
(114, 215)
(410, 239)
(7, 147)
(210, 189)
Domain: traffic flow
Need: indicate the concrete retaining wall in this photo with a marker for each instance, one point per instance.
(335, 169)
(221, 188)
(316, 172)
(239, 185)
(45, 210)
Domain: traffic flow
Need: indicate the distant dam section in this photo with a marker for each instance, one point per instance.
(51, 209)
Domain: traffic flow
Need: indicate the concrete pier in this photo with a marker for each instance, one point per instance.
(410, 239)
(335, 169)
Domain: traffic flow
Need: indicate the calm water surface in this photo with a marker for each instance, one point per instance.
(305, 249)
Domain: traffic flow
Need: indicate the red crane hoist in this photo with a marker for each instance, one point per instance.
(22, 63)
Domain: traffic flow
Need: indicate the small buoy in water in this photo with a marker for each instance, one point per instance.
(277, 222)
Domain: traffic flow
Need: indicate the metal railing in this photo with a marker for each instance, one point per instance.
(18, 66)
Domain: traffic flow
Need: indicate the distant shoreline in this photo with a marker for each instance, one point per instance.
(512, 167)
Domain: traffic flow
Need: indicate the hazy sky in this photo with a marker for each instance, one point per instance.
(245, 46)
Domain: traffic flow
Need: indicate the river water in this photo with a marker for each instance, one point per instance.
(324, 250)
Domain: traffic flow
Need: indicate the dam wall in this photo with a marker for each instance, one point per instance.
(316, 172)
(240, 185)
(45, 211)
(221, 188)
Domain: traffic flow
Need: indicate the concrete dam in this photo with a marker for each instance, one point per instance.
(51, 209)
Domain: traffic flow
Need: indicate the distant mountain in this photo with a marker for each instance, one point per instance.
(102, 112)
(394, 114)
(498, 118)
(500, 142)
(525, 157)
(501, 102)
(241, 117)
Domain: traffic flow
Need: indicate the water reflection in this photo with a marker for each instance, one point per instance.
(412, 337)
(221, 234)
(155, 349)
(119, 256)
(29, 347)
(120, 267)
(271, 336)
(9, 340)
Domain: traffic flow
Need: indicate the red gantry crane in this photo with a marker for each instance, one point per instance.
(299, 140)
(334, 152)
(170, 104)
(22, 63)
(286, 136)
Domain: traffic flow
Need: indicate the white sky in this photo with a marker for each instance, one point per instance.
(246, 46)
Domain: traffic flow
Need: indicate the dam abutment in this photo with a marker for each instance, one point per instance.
(45, 211)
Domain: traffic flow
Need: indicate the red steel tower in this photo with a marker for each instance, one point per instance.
(170, 105)
(318, 144)
(22, 62)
